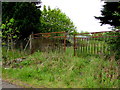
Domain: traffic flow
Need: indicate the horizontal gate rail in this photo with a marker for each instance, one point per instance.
(93, 42)
(48, 35)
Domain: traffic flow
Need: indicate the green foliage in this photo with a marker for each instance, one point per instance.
(26, 16)
(8, 30)
(114, 43)
(53, 20)
(73, 32)
(111, 16)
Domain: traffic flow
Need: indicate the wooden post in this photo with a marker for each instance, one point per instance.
(74, 46)
(21, 46)
(31, 43)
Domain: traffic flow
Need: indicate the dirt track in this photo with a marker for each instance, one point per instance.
(8, 85)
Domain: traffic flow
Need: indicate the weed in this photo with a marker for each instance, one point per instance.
(57, 70)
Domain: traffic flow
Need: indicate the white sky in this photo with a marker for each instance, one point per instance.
(81, 12)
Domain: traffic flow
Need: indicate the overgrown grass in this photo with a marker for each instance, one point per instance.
(92, 47)
(57, 70)
(8, 55)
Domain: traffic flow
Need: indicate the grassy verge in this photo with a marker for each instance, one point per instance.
(55, 70)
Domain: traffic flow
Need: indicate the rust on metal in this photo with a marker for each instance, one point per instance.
(47, 36)
(92, 41)
(59, 37)
(40, 33)
(58, 32)
(52, 35)
(48, 33)
(74, 45)
(97, 32)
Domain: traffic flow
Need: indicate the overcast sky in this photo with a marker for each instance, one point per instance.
(81, 12)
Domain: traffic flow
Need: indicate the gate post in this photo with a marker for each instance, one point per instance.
(31, 46)
(74, 46)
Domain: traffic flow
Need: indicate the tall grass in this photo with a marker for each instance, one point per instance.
(92, 47)
(9, 56)
(12, 54)
(58, 70)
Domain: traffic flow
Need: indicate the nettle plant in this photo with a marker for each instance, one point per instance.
(9, 33)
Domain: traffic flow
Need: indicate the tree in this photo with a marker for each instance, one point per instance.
(10, 32)
(26, 15)
(53, 20)
(111, 16)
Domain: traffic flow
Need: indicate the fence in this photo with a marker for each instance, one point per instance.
(94, 43)
(48, 41)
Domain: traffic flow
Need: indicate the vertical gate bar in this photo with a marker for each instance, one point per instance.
(96, 46)
(103, 45)
(90, 45)
(109, 48)
(74, 45)
(80, 44)
(86, 46)
(99, 45)
(93, 46)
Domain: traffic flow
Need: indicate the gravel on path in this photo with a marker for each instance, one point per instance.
(8, 85)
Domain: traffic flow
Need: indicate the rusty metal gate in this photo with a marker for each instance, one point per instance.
(94, 43)
(53, 41)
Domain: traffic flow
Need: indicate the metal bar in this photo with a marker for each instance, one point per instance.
(86, 46)
(82, 45)
(47, 36)
(59, 37)
(104, 36)
(40, 33)
(80, 38)
(58, 32)
(90, 45)
(48, 33)
(95, 37)
(97, 32)
(74, 45)
(36, 37)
